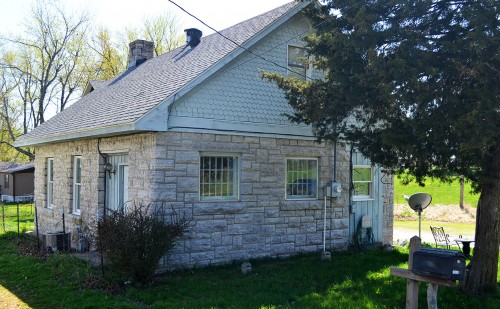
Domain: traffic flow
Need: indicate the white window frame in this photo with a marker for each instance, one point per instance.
(293, 67)
(218, 184)
(361, 197)
(50, 183)
(6, 184)
(122, 184)
(77, 184)
(291, 184)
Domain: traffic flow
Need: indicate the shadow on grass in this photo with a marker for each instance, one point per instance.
(349, 280)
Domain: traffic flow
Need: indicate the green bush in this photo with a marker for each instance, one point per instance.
(133, 241)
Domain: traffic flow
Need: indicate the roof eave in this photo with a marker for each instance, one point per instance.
(122, 129)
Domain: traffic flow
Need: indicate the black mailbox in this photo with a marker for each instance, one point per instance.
(442, 263)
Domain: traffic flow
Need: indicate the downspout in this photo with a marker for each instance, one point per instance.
(351, 187)
(104, 203)
(334, 180)
(105, 161)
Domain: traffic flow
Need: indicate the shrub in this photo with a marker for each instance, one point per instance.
(132, 241)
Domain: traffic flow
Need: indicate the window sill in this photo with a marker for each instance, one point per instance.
(363, 199)
(219, 201)
(301, 204)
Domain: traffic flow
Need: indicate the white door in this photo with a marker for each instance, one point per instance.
(117, 182)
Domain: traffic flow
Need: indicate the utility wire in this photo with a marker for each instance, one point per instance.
(237, 44)
(256, 55)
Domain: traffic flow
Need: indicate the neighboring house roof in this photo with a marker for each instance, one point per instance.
(6, 165)
(20, 168)
(129, 102)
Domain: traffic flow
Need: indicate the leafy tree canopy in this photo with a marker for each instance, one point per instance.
(420, 78)
(414, 85)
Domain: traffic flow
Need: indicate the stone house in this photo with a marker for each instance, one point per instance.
(199, 130)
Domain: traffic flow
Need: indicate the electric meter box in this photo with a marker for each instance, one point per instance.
(441, 263)
(334, 189)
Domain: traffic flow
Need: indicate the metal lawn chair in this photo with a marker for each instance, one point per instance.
(440, 237)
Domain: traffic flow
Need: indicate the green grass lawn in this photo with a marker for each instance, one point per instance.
(442, 193)
(349, 280)
(9, 217)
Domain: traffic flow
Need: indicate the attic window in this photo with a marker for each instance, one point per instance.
(297, 62)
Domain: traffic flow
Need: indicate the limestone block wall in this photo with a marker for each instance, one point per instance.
(262, 222)
(140, 150)
(164, 168)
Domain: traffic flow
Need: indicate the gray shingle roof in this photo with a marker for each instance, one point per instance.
(19, 168)
(138, 90)
(6, 165)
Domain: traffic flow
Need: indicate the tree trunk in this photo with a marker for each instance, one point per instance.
(482, 275)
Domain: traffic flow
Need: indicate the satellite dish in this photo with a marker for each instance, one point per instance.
(418, 202)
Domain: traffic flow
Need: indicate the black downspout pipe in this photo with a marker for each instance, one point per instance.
(104, 185)
(335, 160)
(104, 210)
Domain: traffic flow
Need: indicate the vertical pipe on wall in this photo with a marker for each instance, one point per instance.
(104, 185)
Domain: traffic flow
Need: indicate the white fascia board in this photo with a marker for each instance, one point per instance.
(240, 128)
(90, 133)
(152, 119)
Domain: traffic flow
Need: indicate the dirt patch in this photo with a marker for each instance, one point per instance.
(443, 213)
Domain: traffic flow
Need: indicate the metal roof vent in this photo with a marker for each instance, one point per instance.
(193, 37)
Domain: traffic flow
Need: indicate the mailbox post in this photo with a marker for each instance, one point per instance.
(413, 280)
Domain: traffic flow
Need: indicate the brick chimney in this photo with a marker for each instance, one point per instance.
(139, 51)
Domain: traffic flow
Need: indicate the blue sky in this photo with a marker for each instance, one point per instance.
(117, 14)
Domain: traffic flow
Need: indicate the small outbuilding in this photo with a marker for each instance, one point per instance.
(17, 182)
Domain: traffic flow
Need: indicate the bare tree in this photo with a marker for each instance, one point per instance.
(47, 40)
(108, 61)
(163, 32)
(39, 68)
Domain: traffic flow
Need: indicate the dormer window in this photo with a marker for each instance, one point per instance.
(297, 62)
